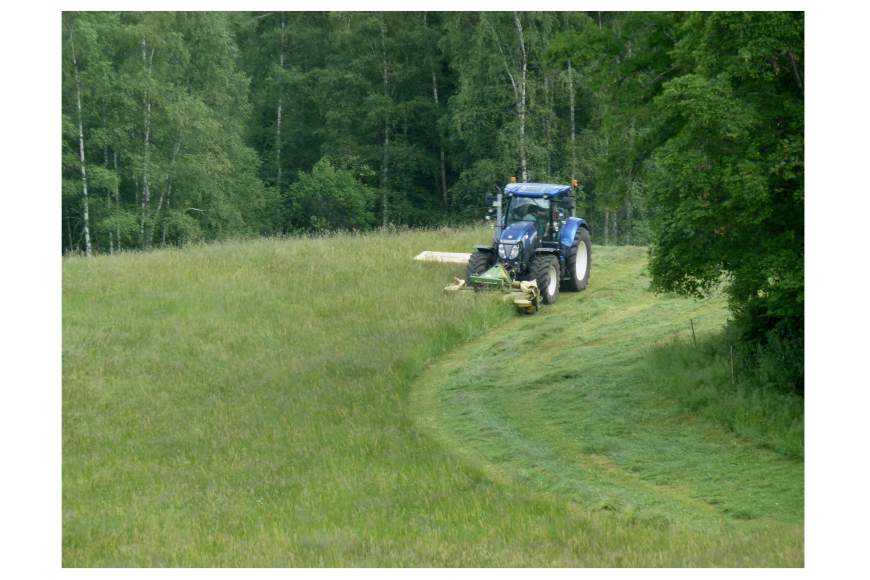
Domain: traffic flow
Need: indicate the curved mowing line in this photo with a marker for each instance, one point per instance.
(559, 403)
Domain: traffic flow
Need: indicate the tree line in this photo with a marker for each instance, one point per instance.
(685, 131)
(189, 126)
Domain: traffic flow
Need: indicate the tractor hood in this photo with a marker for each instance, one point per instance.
(519, 232)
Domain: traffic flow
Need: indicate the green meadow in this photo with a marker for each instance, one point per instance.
(321, 402)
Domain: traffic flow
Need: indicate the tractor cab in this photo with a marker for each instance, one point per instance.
(546, 205)
(531, 210)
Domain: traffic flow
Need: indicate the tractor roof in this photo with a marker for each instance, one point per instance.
(536, 189)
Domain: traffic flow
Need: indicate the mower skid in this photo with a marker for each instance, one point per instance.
(457, 285)
(525, 296)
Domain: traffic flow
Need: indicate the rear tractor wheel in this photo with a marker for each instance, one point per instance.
(578, 262)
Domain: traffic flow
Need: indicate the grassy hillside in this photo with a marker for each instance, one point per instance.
(249, 404)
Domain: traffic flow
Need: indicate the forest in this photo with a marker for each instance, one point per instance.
(684, 130)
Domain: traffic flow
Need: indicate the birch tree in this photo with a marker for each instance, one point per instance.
(280, 105)
(145, 200)
(431, 40)
(85, 205)
(514, 59)
(385, 164)
(572, 121)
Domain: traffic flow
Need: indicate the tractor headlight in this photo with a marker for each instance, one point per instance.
(509, 251)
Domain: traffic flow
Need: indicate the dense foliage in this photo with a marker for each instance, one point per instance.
(684, 129)
(726, 177)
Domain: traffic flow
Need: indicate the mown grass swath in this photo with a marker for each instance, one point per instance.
(581, 402)
(249, 404)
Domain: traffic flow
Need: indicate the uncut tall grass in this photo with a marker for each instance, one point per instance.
(219, 394)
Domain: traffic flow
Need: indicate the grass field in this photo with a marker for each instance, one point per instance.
(589, 411)
(260, 404)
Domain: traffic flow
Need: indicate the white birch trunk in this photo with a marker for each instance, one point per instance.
(278, 177)
(117, 197)
(573, 125)
(797, 74)
(164, 195)
(164, 226)
(615, 226)
(443, 173)
(108, 193)
(440, 143)
(518, 88)
(111, 233)
(278, 147)
(85, 210)
(549, 124)
(521, 105)
(147, 61)
(386, 161)
(444, 195)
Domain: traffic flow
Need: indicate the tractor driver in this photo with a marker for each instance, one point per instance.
(532, 212)
(538, 214)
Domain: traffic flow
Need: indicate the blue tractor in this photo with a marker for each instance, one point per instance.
(537, 238)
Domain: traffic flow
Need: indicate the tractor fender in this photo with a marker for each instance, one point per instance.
(566, 240)
(489, 249)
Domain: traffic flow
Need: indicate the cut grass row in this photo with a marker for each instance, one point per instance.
(579, 404)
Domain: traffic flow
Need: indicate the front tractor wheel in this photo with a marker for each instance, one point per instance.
(545, 270)
(479, 262)
(579, 262)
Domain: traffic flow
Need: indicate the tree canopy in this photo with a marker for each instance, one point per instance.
(685, 131)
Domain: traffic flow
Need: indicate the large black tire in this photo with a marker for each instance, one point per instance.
(478, 263)
(578, 271)
(544, 268)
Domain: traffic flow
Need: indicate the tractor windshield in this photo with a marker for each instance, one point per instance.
(528, 209)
